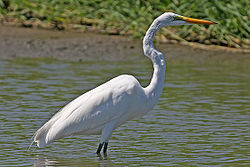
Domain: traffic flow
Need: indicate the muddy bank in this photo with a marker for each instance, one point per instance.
(25, 42)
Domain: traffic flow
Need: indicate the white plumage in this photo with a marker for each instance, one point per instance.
(103, 109)
(118, 100)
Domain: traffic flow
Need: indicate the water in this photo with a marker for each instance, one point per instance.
(202, 117)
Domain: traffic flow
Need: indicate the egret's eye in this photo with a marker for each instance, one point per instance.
(178, 18)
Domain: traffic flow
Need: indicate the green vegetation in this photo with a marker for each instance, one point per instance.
(134, 16)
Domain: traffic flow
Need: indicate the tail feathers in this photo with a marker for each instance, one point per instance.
(54, 128)
(49, 132)
(42, 137)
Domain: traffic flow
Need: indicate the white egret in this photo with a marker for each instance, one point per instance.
(103, 109)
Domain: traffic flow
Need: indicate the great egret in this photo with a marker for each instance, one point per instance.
(103, 109)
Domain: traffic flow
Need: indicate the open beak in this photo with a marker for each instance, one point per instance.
(195, 21)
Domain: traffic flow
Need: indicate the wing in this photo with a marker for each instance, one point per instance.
(91, 110)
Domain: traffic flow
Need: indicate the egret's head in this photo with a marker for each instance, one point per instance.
(172, 19)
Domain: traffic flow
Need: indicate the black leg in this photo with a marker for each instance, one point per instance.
(99, 148)
(105, 147)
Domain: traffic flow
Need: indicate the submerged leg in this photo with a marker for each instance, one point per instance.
(99, 148)
(105, 147)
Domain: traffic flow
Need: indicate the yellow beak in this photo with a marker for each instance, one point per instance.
(194, 21)
(197, 21)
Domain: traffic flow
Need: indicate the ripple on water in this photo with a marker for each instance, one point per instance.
(201, 119)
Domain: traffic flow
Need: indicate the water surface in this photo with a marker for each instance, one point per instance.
(202, 117)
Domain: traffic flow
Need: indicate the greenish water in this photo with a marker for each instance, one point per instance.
(202, 117)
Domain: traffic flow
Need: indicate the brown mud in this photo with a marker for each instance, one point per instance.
(26, 42)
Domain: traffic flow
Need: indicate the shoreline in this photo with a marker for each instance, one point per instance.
(89, 45)
(91, 29)
(133, 19)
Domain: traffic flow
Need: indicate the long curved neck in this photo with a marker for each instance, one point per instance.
(154, 89)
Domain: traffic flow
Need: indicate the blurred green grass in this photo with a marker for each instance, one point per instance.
(134, 16)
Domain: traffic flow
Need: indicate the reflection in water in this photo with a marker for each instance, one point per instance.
(44, 161)
(202, 117)
(101, 161)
